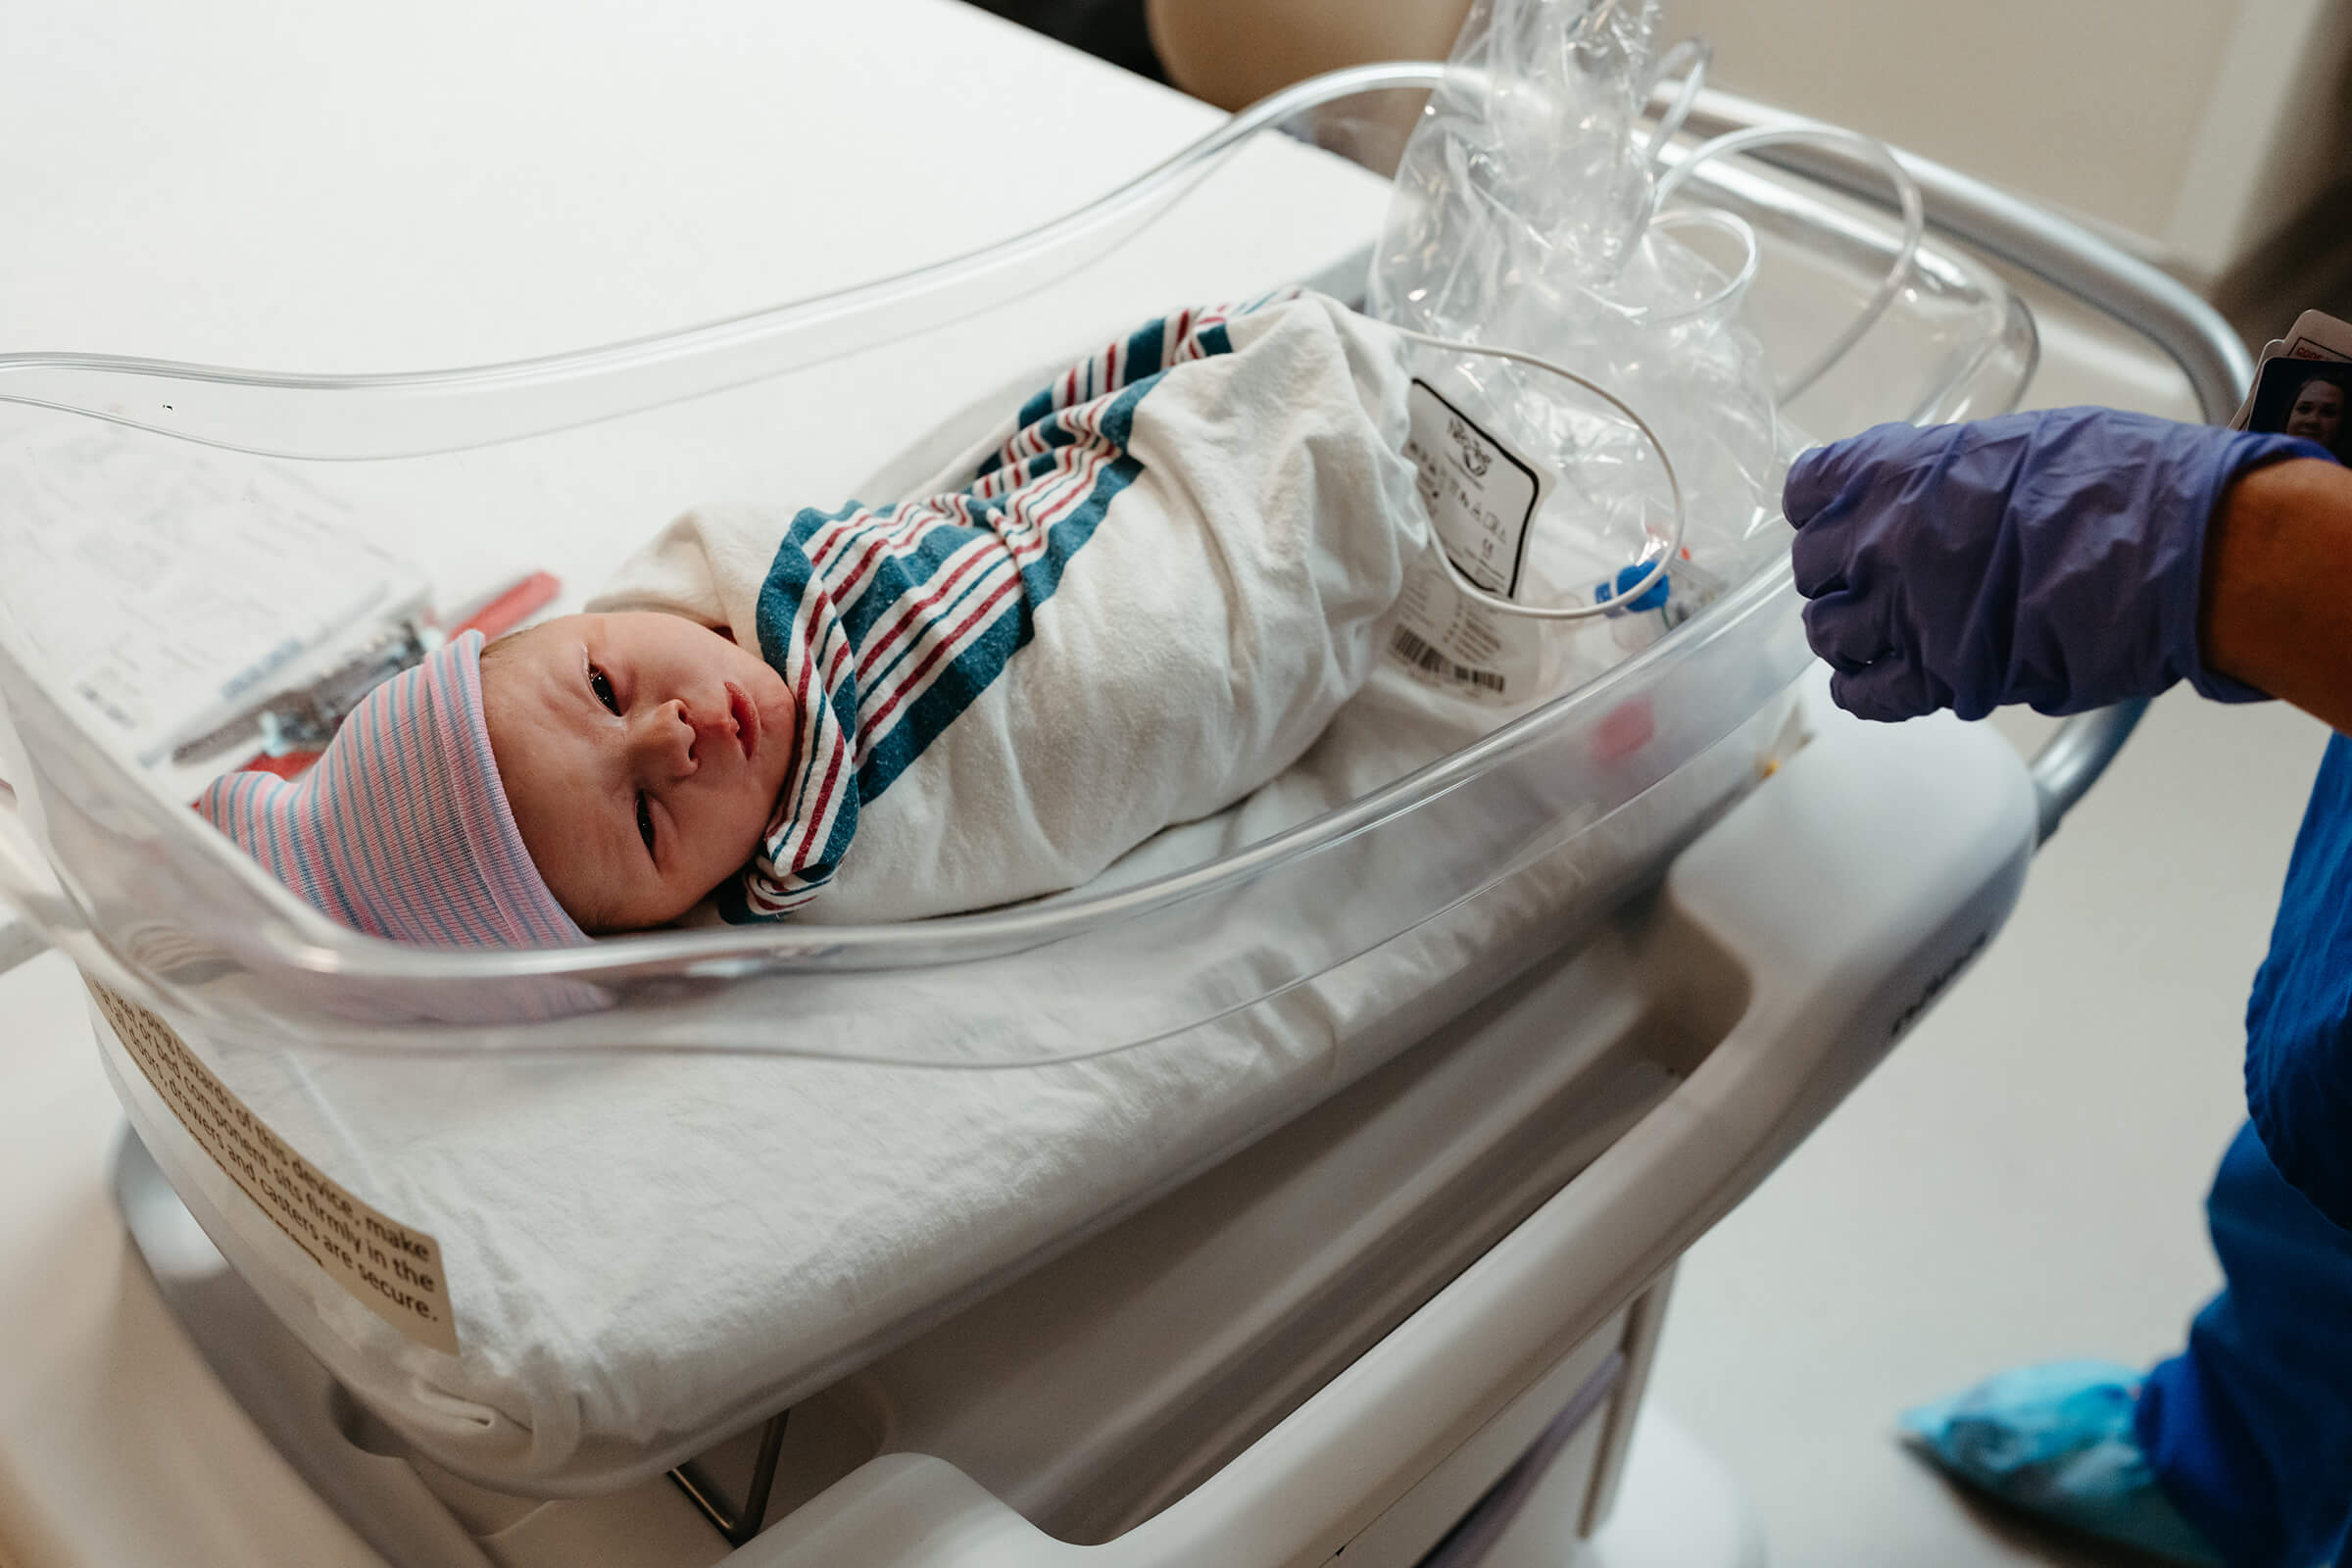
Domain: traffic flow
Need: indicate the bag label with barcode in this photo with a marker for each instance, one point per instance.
(1481, 497)
(1479, 494)
(1409, 647)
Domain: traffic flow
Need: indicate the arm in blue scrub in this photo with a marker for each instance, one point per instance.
(2279, 617)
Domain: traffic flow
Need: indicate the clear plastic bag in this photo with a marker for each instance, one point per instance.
(1525, 216)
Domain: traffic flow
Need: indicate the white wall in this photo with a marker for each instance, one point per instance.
(2198, 127)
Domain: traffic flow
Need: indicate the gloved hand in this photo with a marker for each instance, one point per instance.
(2054, 559)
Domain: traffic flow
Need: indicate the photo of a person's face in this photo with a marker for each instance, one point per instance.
(2317, 411)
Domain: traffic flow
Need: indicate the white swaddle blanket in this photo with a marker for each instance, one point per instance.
(1138, 598)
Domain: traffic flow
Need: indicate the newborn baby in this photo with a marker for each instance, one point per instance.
(1139, 598)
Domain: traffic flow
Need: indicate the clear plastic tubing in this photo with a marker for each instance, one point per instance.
(1907, 197)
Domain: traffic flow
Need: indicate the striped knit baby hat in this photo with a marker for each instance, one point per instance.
(401, 829)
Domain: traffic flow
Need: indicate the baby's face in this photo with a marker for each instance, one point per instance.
(641, 756)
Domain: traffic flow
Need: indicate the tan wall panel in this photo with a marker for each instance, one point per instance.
(2092, 104)
(1235, 52)
(2201, 127)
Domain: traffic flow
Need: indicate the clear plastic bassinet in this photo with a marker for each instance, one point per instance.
(163, 910)
(679, 1180)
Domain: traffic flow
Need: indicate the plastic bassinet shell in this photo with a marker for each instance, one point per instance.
(167, 912)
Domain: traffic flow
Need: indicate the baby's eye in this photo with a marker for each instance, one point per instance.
(645, 823)
(603, 689)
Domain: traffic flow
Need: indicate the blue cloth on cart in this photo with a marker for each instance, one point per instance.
(2250, 1431)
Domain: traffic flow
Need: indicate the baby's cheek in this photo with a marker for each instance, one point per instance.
(752, 818)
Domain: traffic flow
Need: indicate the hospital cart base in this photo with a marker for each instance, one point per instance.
(1676, 1506)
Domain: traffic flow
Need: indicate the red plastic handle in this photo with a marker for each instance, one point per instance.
(512, 606)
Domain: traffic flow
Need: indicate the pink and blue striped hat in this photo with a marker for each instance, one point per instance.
(402, 828)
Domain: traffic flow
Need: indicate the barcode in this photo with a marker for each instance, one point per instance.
(1421, 655)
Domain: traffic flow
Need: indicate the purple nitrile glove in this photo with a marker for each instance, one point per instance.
(2054, 559)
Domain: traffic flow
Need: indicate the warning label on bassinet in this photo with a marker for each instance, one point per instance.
(392, 1268)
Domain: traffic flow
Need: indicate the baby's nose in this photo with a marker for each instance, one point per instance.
(667, 742)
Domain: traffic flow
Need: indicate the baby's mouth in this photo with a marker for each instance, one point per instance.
(747, 719)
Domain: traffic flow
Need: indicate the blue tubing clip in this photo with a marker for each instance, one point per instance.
(1652, 597)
